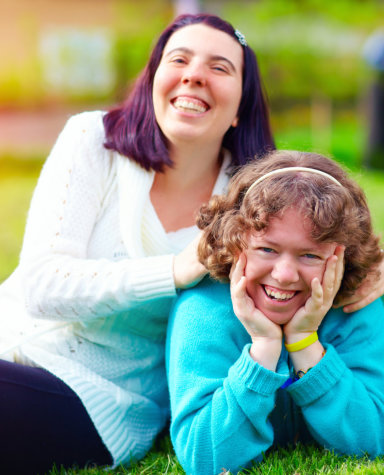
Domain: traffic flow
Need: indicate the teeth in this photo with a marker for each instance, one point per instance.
(184, 104)
(279, 295)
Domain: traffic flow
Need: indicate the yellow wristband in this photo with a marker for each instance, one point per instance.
(300, 345)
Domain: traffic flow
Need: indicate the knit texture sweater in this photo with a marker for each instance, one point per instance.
(90, 299)
(227, 409)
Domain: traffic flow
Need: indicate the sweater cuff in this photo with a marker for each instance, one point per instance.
(152, 277)
(320, 379)
(254, 376)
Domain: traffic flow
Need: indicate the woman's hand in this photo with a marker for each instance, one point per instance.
(371, 289)
(266, 336)
(309, 317)
(187, 269)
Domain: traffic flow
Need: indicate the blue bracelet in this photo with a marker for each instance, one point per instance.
(297, 375)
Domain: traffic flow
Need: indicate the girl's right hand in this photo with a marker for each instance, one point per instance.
(266, 335)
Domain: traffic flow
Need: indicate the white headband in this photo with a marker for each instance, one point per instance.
(293, 169)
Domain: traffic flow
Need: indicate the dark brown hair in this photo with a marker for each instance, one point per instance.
(338, 213)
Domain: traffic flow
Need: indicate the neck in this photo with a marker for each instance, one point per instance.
(178, 193)
(192, 166)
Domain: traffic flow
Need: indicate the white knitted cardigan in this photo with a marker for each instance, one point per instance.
(91, 296)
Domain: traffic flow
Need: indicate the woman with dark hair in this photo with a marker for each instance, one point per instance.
(109, 240)
(264, 361)
(127, 127)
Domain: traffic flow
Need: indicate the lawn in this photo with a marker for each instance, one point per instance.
(300, 460)
(15, 195)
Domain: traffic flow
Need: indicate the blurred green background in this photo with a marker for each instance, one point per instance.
(61, 57)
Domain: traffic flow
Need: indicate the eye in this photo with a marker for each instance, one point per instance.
(311, 256)
(178, 60)
(220, 68)
(267, 250)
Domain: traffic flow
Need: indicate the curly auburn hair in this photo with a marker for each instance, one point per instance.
(338, 214)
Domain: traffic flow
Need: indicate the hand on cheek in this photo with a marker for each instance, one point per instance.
(309, 317)
(266, 336)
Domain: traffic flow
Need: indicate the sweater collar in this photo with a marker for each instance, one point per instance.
(149, 238)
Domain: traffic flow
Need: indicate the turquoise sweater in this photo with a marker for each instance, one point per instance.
(227, 409)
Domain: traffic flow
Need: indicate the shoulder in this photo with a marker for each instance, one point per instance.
(206, 309)
(81, 143)
(202, 323)
(207, 296)
(88, 118)
(86, 124)
(365, 325)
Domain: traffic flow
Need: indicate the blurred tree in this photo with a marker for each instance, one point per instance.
(374, 54)
(187, 6)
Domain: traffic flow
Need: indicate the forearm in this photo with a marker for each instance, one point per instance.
(266, 351)
(227, 427)
(70, 263)
(61, 286)
(342, 410)
(307, 357)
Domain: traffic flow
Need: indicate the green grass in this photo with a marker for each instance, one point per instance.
(15, 195)
(373, 185)
(18, 178)
(343, 143)
(313, 460)
(299, 460)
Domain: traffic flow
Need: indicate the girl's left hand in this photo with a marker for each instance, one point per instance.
(308, 318)
(371, 289)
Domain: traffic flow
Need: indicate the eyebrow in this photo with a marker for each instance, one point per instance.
(215, 57)
(269, 243)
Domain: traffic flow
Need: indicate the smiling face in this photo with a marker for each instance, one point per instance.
(198, 85)
(282, 261)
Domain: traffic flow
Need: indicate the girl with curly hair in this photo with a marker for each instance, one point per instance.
(265, 360)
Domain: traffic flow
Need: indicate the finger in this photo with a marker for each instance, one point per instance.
(334, 272)
(243, 306)
(360, 294)
(238, 280)
(196, 240)
(339, 252)
(233, 266)
(316, 299)
(238, 267)
(361, 303)
(330, 278)
(239, 290)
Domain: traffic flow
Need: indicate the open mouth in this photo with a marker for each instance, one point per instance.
(279, 295)
(189, 104)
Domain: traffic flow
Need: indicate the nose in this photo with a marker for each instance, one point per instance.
(285, 271)
(194, 75)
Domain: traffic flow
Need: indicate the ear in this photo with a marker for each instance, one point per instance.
(235, 122)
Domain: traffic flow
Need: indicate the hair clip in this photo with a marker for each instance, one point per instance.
(241, 38)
